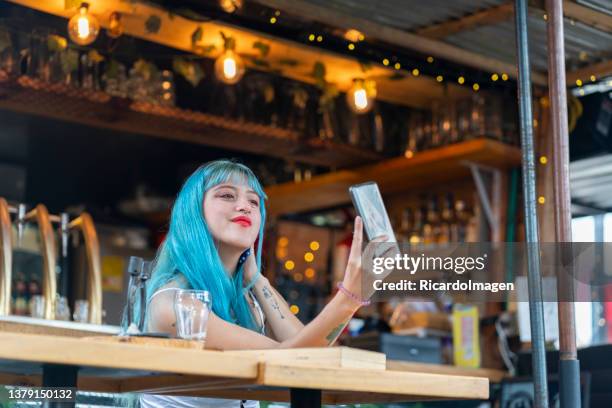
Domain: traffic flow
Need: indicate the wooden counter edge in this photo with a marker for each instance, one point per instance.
(493, 375)
(418, 384)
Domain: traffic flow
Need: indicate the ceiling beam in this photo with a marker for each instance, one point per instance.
(588, 16)
(400, 38)
(600, 70)
(490, 16)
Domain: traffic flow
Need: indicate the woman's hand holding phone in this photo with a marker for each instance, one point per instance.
(353, 274)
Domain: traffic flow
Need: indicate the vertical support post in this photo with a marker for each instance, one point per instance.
(534, 279)
(569, 367)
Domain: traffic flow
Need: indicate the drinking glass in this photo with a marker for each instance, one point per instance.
(37, 306)
(62, 310)
(81, 311)
(192, 308)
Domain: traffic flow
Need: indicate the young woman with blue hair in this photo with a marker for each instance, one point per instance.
(217, 218)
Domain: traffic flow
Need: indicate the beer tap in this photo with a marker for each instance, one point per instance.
(85, 224)
(6, 258)
(47, 239)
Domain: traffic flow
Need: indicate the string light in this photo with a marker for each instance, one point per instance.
(277, 13)
(314, 245)
(283, 241)
(298, 277)
(409, 154)
(353, 35)
(504, 77)
(476, 87)
(294, 309)
(308, 256)
(543, 159)
(360, 98)
(229, 67)
(593, 78)
(415, 72)
(439, 78)
(578, 82)
(83, 27)
(494, 77)
(430, 59)
(272, 20)
(541, 199)
(385, 62)
(289, 265)
(397, 65)
(351, 46)
(309, 273)
(461, 80)
(319, 38)
(311, 37)
(229, 6)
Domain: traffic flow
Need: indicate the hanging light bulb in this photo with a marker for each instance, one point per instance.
(83, 27)
(229, 67)
(360, 97)
(115, 27)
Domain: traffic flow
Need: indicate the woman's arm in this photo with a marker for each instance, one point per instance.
(221, 335)
(279, 318)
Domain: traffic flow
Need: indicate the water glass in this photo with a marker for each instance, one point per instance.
(81, 311)
(62, 310)
(192, 308)
(37, 306)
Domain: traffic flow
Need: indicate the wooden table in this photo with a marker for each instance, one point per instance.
(98, 365)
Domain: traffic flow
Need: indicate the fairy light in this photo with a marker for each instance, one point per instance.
(309, 257)
(579, 82)
(494, 77)
(475, 87)
(397, 65)
(409, 154)
(289, 265)
(543, 159)
(298, 277)
(430, 59)
(504, 77)
(415, 72)
(593, 78)
(461, 80)
(294, 309)
(311, 37)
(385, 62)
(541, 200)
(272, 20)
(439, 78)
(314, 245)
(283, 241)
(351, 46)
(309, 273)
(319, 38)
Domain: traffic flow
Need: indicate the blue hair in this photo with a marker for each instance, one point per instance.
(189, 249)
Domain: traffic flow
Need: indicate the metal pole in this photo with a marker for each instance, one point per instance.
(569, 367)
(534, 279)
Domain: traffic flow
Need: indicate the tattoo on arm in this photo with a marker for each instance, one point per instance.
(333, 335)
(272, 301)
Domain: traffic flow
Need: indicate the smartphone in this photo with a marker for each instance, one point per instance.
(370, 206)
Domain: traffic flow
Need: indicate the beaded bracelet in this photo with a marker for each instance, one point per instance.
(352, 295)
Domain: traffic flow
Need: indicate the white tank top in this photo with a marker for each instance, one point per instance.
(165, 401)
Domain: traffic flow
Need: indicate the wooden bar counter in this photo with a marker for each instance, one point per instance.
(329, 375)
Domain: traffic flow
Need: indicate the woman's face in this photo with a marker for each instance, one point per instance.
(233, 215)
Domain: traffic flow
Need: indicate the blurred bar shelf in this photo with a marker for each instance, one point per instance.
(424, 169)
(98, 109)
